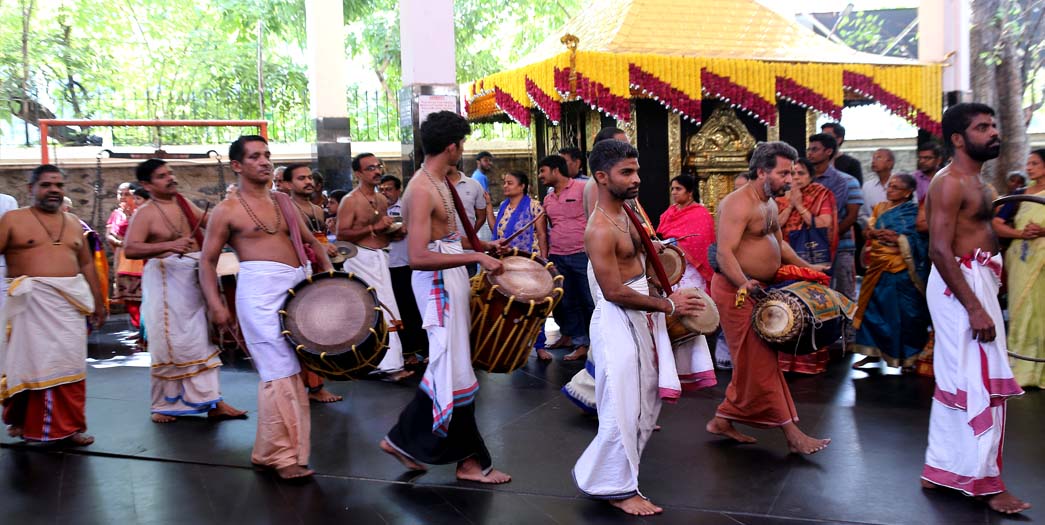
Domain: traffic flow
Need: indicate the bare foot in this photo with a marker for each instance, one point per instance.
(226, 411)
(469, 470)
(928, 485)
(656, 428)
(636, 506)
(324, 396)
(724, 427)
(396, 377)
(799, 443)
(1006, 503)
(80, 439)
(581, 352)
(544, 355)
(407, 462)
(562, 342)
(162, 418)
(294, 472)
(864, 362)
(14, 431)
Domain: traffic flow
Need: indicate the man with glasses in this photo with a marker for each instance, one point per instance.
(930, 160)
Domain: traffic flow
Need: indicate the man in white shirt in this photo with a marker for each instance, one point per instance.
(411, 334)
(473, 197)
(874, 187)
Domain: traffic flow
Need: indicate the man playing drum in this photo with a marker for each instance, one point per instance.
(629, 338)
(268, 236)
(438, 426)
(973, 378)
(750, 252)
(167, 232)
(51, 285)
(298, 179)
(362, 219)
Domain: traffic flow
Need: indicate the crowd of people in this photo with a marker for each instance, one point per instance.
(925, 240)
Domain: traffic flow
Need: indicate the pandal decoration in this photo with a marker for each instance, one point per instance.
(608, 81)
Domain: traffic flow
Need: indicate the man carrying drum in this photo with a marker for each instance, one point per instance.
(438, 426)
(750, 252)
(167, 232)
(363, 220)
(268, 236)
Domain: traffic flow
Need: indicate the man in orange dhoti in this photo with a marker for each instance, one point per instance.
(750, 252)
(52, 285)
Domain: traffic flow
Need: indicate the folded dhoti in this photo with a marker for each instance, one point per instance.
(372, 266)
(184, 362)
(973, 381)
(261, 289)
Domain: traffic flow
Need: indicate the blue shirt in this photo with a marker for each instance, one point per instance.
(846, 190)
(855, 196)
(480, 177)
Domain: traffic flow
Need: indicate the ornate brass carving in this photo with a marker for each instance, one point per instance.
(811, 118)
(674, 146)
(594, 125)
(629, 127)
(717, 154)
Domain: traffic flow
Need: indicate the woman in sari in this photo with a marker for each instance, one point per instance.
(1024, 223)
(127, 287)
(807, 205)
(517, 211)
(892, 317)
(692, 226)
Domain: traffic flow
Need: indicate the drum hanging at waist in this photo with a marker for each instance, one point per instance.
(802, 317)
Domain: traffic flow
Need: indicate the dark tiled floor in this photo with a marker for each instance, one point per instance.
(194, 471)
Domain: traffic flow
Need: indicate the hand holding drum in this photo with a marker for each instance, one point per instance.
(687, 303)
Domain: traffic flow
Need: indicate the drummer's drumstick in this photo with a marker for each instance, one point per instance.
(198, 224)
(518, 232)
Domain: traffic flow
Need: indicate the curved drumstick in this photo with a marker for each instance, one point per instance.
(647, 243)
(519, 231)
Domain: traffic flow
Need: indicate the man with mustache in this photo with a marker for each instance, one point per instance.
(362, 219)
(269, 238)
(298, 179)
(970, 360)
(750, 252)
(629, 339)
(52, 285)
(166, 231)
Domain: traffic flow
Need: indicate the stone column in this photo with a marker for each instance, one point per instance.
(328, 102)
(943, 36)
(426, 32)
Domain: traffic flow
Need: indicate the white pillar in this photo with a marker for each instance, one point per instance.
(328, 91)
(943, 28)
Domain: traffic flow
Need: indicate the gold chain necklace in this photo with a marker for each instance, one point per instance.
(174, 229)
(451, 214)
(55, 241)
(257, 222)
(627, 223)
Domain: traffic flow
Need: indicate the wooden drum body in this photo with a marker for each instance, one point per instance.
(509, 310)
(335, 324)
(801, 318)
(674, 261)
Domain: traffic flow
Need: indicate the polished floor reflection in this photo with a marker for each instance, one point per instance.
(198, 472)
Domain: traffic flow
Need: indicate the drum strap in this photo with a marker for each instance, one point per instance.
(469, 230)
(651, 251)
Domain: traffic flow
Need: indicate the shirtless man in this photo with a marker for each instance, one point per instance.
(297, 178)
(627, 381)
(750, 251)
(448, 434)
(362, 219)
(966, 424)
(256, 223)
(52, 284)
(166, 232)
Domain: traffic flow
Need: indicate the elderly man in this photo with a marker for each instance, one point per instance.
(874, 188)
(52, 285)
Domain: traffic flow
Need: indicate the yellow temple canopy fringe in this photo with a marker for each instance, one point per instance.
(673, 52)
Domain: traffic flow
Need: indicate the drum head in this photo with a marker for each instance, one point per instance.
(525, 278)
(773, 319)
(228, 264)
(707, 321)
(674, 262)
(345, 251)
(330, 314)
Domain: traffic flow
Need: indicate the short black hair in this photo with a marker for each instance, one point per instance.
(288, 170)
(482, 155)
(441, 129)
(958, 117)
(238, 147)
(765, 154)
(394, 180)
(39, 171)
(686, 181)
(931, 145)
(607, 153)
(573, 152)
(839, 130)
(607, 133)
(555, 162)
(337, 195)
(143, 172)
(825, 140)
(358, 159)
(810, 169)
(141, 192)
(521, 178)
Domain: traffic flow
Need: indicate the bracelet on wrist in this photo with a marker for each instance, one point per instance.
(672, 303)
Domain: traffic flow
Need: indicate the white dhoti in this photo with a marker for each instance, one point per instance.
(46, 341)
(634, 371)
(372, 266)
(184, 361)
(973, 381)
(693, 358)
